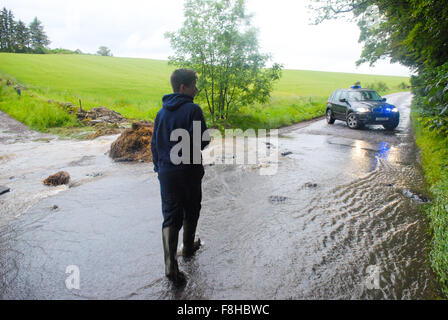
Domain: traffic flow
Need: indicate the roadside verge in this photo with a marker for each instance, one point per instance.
(434, 159)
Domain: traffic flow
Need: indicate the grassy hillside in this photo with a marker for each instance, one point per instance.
(134, 87)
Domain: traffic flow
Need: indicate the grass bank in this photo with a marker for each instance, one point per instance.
(434, 157)
(32, 109)
(134, 87)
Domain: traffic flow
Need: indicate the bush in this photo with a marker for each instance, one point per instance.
(403, 86)
(379, 86)
(63, 51)
(430, 88)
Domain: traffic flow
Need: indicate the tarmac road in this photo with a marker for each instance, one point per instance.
(339, 220)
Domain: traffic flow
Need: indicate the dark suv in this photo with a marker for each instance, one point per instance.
(359, 107)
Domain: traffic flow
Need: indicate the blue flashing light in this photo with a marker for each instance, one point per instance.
(383, 150)
(356, 87)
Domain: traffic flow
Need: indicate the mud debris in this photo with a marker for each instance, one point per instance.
(104, 130)
(4, 189)
(277, 199)
(99, 115)
(103, 120)
(414, 196)
(134, 144)
(310, 185)
(124, 159)
(94, 116)
(57, 179)
(94, 174)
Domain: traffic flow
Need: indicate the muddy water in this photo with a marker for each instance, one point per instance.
(28, 157)
(343, 202)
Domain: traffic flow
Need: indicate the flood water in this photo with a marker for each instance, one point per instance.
(342, 203)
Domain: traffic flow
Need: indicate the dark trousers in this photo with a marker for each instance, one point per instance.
(181, 193)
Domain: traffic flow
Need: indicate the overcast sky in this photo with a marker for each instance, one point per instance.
(135, 28)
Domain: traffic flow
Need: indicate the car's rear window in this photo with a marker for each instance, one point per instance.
(363, 96)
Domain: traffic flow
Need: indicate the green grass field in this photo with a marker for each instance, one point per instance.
(134, 87)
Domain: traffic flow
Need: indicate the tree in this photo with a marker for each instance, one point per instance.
(38, 37)
(16, 37)
(3, 29)
(104, 51)
(218, 42)
(7, 26)
(11, 26)
(22, 37)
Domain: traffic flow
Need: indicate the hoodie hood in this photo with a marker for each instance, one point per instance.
(174, 101)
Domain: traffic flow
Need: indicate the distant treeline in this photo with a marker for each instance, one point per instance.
(16, 36)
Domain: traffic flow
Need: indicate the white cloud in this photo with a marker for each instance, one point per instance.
(139, 44)
(135, 28)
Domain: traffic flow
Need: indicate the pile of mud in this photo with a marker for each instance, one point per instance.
(94, 116)
(103, 129)
(57, 179)
(134, 144)
(103, 120)
(100, 115)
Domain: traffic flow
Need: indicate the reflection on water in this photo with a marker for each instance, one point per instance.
(386, 152)
(359, 151)
(383, 150)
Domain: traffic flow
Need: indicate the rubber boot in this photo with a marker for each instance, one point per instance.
(190, 246)
(170, 236)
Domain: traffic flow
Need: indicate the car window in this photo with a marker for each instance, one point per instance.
(343, 95)
(337, 95)
(363, 96)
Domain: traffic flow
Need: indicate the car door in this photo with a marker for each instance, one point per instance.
(333, 102)
(340, 107)
(330, 103)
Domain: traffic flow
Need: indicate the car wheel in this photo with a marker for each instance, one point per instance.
(330, 118)
(352, 121)
(390, 126)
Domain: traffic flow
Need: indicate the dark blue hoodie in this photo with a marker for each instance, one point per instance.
(178, 112)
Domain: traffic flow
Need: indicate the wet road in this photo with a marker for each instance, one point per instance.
(342, 202)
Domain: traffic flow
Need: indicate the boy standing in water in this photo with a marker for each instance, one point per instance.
(180, 183)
